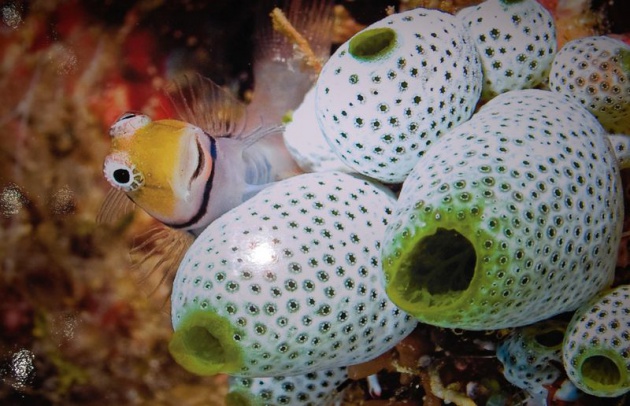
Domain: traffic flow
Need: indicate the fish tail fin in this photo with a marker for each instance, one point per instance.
(155, 260)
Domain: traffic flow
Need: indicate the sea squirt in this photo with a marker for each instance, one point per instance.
(321, 387)
(510, 218)
(596, 348)
(289, 282)
(532, 360)
(516, 41)
(390, 91)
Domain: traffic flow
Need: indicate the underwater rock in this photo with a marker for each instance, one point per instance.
(390, 91)
(596, 347)
(511, 218)
(289, 282)
(516, 41)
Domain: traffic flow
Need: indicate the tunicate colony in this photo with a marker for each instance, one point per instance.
(509, 214)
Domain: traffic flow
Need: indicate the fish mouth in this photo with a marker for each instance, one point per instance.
(192, 167)
(200, 186)
(201, 162)
(192, 181)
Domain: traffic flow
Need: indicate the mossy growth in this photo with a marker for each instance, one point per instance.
(204, 344)
(372, 44)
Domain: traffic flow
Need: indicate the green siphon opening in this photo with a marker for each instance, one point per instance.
(372, 44)
(203, 344)
(442, 265)
(600, 371)
(550, 339)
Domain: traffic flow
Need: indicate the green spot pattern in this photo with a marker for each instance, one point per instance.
(532, 184)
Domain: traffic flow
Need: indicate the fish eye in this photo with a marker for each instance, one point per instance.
(122, 175)
(127, 124)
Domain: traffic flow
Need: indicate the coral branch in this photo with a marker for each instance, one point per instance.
(429, 399)
(448, 395)
(284, 26)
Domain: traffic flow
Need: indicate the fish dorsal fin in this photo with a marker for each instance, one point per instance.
(201, 102)
(115, 206)
(156, 258)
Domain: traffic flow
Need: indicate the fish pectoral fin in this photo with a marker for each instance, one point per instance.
(115, 206)
(252, 190)
(156, 257)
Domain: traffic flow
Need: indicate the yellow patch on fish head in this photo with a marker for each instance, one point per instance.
(158, 164)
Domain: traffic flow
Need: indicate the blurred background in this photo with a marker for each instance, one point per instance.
(77, 325)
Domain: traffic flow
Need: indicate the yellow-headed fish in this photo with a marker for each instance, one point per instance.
(185, 176)
(186, 172)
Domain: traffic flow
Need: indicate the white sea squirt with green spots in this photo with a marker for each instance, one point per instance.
(596, 72)
(390, 91)
(596, 349)
(532, 360)
(511, 218)
(516, 41)
(306, 143)
(289, 282)
(314, 388)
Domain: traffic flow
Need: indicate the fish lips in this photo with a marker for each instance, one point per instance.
(192, 173)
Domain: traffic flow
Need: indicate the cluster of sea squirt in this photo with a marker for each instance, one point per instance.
(509, 214)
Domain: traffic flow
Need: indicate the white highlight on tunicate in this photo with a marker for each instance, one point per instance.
(262, 254)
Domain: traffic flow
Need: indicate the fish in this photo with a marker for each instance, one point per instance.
(217, 151)
(186, 174)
